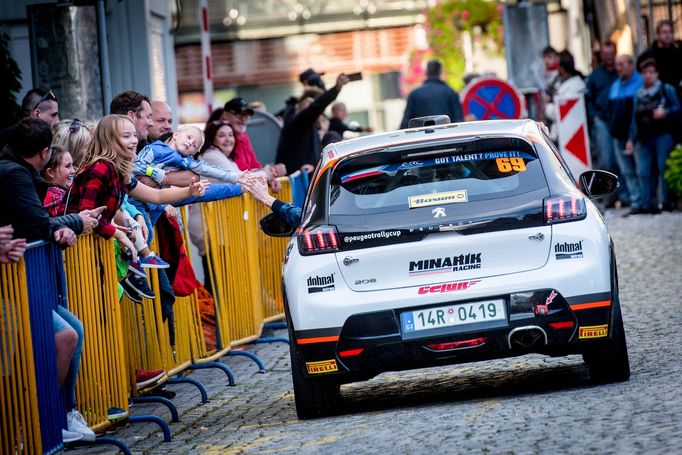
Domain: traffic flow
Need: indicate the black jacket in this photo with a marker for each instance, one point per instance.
(434, 97)
(22, 191)
(667, 63)
(299, 142)
(341, 127)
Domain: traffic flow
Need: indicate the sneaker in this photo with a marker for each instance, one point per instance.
(114, 413)
(70, 436)
(140, 285)
(136, 268)
(153, 262)
(130, 292)
(145, 378)
(77, 424)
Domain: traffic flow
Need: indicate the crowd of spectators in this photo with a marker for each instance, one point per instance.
(634, 114)
(116, 177)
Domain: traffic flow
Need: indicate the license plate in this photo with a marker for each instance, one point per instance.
(453, 315)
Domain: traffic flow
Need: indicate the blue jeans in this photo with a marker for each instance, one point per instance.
(603, 143)
(653, 151)
(63, 319)
(628, 170)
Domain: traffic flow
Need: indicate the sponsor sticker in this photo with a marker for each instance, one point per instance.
(447, 287)
(569, 250)
(447, 197)
(550, 297)
(323, 366)
(371, 236)
(324, 283)
(430, 266)
(288, 253)
(593, 331)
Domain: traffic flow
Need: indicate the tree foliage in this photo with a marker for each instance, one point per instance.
(673, 171)
(445, 24)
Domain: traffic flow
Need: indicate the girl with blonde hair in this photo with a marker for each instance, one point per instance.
(106, 177)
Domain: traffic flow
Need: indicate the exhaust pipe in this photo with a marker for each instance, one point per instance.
(527, 337)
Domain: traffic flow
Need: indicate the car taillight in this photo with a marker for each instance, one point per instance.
(560, 209)
(317, 240)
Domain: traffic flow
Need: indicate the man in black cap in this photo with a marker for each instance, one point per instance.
(238, 113)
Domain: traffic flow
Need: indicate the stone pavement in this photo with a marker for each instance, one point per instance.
(530, 404)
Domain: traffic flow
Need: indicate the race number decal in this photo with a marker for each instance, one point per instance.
(510, 164)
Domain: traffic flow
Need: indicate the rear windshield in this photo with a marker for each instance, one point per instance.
(449, 178)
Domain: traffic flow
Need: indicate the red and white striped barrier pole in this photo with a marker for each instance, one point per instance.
(574, 143)
(206, 61)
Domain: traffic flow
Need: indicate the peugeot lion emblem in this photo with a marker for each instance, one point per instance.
(438, 212)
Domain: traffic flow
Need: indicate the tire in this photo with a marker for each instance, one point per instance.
(314, 398)
(608, 359)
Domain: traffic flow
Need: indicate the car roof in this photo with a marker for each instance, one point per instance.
(525, 128)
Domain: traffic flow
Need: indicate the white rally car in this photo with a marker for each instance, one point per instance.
(445, 244)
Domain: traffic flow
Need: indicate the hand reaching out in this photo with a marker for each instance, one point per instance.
(91, 218)
(198, 189)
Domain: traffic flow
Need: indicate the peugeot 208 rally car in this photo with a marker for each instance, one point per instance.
(445, 244)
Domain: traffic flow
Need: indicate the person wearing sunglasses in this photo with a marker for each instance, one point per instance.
(75, 136)
(42, 104)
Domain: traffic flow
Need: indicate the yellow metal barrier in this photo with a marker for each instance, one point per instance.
(148, 341)
(271, 251)
(230, 233)
(19, 419)
(91, 283)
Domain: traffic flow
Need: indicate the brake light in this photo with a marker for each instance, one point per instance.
(562, 325)
(560, 209)
(351, 352)
(318, 240)
(457, 344)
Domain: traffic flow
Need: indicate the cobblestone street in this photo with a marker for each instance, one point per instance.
(530, 404)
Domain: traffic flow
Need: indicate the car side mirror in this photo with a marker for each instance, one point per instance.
(598, 183)
(274, 226)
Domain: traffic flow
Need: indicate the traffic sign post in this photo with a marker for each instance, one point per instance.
(573, 140)
(489, 98)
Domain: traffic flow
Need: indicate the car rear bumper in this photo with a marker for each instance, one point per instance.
(375, 342)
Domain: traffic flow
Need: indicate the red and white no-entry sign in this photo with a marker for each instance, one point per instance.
(573, 140)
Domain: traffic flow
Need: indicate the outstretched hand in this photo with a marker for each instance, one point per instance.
(198, 189)
(257, 186)
(91, 218)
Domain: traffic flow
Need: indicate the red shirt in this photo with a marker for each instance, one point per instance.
(54, 200)
(243, 154)
(99, 185)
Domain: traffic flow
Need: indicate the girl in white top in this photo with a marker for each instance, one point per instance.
(570, 85)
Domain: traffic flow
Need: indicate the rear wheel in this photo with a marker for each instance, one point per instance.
(608, 359)
(314, 398)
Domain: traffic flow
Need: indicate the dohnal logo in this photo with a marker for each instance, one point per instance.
(568, 250)
(320, 283)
